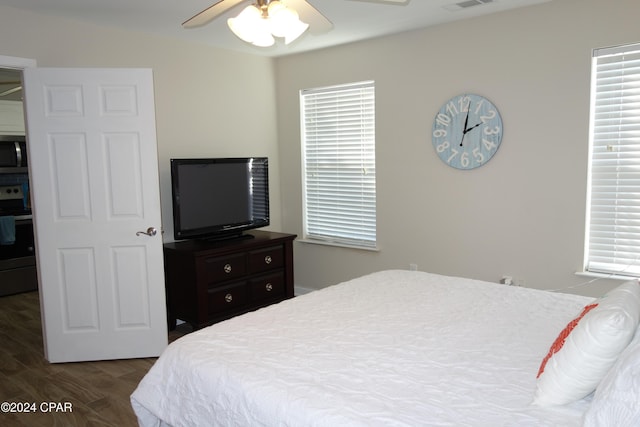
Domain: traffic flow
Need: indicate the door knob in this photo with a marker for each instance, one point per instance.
(151, 231)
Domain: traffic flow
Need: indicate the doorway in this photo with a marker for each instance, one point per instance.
(94, 176)
(17, 249)
(11, 95)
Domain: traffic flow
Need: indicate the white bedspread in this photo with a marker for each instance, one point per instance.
(394, 348)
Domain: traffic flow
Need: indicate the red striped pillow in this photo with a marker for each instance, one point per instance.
(559, 342)
(588, 346)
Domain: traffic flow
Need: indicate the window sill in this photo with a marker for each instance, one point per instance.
(337, 244)
(611, 276)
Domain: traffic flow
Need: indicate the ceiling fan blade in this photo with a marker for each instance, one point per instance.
(210, 13)
(318, 23)
(396, 2)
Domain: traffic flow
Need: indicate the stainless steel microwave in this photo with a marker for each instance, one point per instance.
(13, 151)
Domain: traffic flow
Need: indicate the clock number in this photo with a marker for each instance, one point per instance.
(488, 145)
(478, 155)
(443, 119)
(440, 133)
(486, 117)
(451, 109)
(441, 147)
(490, 131)
(454, 153)
(465, 103)
(464, 159)
(479, 106)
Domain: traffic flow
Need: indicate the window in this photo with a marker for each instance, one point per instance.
(339, 171)
(613, 220)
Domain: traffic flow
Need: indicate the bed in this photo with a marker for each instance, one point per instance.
(393, 348)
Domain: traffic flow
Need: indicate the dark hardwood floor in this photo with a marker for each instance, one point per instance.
(96, 392)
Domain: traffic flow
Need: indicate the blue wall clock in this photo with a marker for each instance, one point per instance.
(467, 131)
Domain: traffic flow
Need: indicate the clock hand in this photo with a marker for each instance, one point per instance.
(466, 121)
(472, 127)
(464, 132)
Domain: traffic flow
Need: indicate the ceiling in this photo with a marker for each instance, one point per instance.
(352, 20)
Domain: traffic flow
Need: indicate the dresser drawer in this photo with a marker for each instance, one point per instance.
(266, 259)
(227, 297)
(267, 287)
(225, 268)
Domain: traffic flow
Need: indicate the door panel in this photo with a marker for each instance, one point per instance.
(70, 175)
(132, 303)
(79, 293)
(125, 186)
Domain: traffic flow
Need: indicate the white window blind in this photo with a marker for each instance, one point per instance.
(339, 171)
(613, 221)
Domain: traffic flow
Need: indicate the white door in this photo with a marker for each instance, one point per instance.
(94, 177)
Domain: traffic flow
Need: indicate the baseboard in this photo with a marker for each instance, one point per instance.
(299, 290)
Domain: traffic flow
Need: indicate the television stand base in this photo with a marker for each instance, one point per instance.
(228, 237)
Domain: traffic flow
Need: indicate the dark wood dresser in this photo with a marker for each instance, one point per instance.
(209, 281)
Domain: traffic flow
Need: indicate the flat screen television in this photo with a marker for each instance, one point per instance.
(219, 198)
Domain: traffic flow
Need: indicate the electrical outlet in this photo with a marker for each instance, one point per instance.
(413, 267)
(506, 280)
(11, 192)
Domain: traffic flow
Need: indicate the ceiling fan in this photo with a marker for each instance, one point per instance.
(309, 17)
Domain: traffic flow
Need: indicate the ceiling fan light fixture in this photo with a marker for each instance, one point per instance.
(280, 18)
(245, 24)
(263, 37)
(274, 7)
(258, 25)
(285, 22)
(295, 30)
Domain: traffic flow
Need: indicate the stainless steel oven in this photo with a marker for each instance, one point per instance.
(13, 153)
(17, 255)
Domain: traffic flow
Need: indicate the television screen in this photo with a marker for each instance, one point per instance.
(222, 197)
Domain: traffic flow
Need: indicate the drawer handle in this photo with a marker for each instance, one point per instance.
(227, 268)
(268, 259)
(228, 297)
(268, 287)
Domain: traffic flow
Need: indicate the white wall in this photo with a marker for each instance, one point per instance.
(209, 102)
(523, 213)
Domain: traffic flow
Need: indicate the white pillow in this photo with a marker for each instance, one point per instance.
(617, 398)
(589, 346)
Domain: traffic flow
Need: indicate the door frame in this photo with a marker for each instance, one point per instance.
(16, 63)
(19, 64)
(23, 65)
